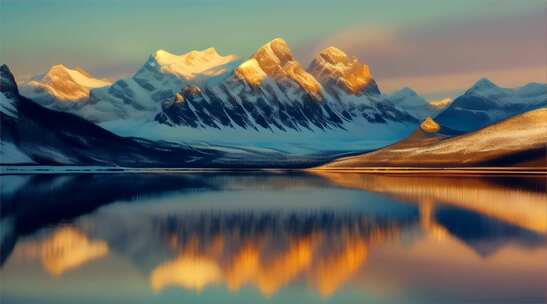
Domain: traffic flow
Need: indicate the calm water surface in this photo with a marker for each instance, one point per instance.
(272, 238)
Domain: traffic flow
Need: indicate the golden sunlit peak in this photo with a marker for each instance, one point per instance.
(57, 67)
(251, 72)
(275, 52)
(332, 65)
(334, 55)
(209, 54)
(429, 125)
(276, 60)
(161, 53)
(211, 51)
(277, 42)
(67, 84)
(191, 64)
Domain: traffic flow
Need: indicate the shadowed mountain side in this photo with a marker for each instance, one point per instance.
(520, 141)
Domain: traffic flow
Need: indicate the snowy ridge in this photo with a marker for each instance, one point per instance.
(159, 79)
(190, 65)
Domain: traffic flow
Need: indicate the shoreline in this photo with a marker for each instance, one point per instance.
(17, 170)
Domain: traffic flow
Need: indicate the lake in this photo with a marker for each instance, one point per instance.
(272, 237)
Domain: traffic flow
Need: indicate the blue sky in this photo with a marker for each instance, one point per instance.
(433, 46)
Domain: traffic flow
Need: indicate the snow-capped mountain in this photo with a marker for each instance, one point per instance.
(61, 87)
(520, 140)
(272, 96)
(272, 91)
(486, 103)
(338, 73)
(417, 106)
(158, 80)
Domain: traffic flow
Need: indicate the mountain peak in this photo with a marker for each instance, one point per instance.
(406, 91)
(57, 67)
(276, 60)
(484, 87)
(273, 55)
(334, 55)
(332, 67)
(191, 64)
(57, 71)
(484, 83)
(64, 83)
(429, 125)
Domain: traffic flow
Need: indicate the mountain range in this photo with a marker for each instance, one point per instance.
(205, 109)
(33, 134)
(268, 100)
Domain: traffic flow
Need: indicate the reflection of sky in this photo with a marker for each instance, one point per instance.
(405, 42)
(435, 253)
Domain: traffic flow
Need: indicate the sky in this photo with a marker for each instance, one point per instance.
(438, 48)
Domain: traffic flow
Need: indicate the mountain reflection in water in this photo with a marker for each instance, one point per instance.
(328, 237)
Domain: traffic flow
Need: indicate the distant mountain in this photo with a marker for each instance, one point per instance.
(485, 103)
(520, 140)
(417, 106)
(62, 87)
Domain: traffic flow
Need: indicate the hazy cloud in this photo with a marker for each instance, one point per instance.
(436, 52)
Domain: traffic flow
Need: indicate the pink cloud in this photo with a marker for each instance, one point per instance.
(436, 52)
